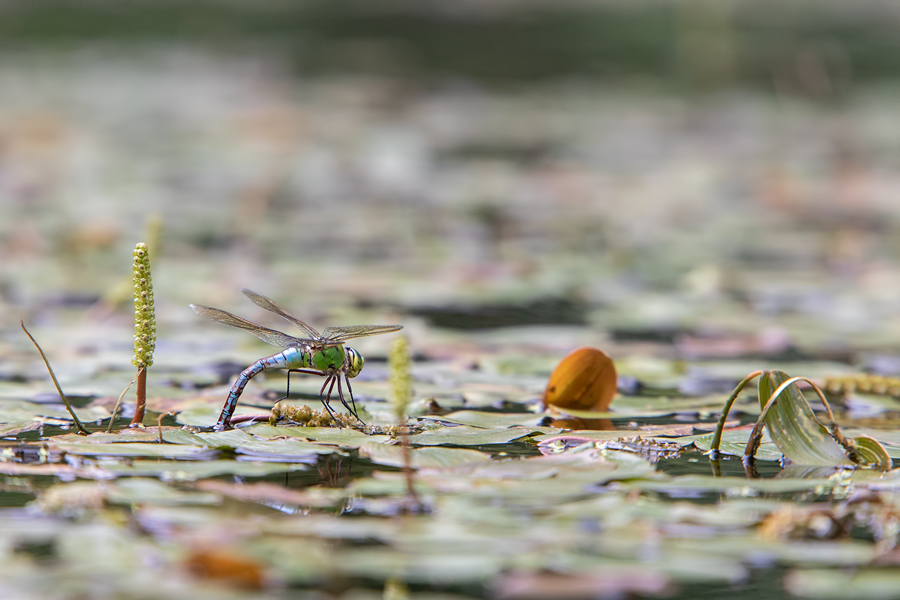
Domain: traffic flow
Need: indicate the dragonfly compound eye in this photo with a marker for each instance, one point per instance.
(355, 362)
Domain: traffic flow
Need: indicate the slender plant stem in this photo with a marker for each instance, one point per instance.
(720, 426)
(115, 411)
(65, 400)
(138, 419)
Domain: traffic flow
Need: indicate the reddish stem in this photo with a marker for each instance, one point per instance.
(141, 403)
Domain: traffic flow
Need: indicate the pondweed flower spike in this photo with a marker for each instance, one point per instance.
(400, 378)
(144, 327)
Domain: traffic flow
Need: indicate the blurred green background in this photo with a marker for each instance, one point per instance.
(651, 169)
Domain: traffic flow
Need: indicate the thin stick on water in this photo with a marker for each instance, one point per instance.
(112, 419)
(62, 395)
(159, 423)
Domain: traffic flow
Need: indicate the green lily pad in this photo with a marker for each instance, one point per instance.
(488, 420)
(345, 438)
(734, 443)
(12, 429)
(284, 450)
(138, 490)
(831, 584)
(463, 435)
(135, 449)
(17, 411)
(200, 415)
(734, 485)
(193, 470)
(435, 458)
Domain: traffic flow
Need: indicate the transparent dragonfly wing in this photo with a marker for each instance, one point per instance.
(269, 305)
(269, 336)
(342, 334)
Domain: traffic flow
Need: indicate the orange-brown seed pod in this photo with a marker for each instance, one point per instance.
(583, 380)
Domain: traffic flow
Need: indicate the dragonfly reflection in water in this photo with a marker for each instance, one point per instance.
(317, 354)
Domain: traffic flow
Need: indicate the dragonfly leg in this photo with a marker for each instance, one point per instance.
(289, 371)
(325, 400)
(332, 379)
(341, 396)
(352, 402)
(287, 394)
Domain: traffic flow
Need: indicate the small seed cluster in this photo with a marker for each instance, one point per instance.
(304, 416)
(308, 417)
(144, 314)
(863, 383)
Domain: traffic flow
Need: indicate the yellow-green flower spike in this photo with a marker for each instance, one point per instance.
(400, 377)
(144, 315)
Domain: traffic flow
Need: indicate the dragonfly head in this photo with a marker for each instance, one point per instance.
(354, 362)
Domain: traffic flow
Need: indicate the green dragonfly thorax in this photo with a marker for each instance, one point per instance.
(329, 359)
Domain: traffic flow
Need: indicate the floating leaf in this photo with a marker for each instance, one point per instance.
(135, 449)
(206, 415)
(193, 470)
(488, 420)
(223, 439)
(284, 450)
(463, 435)
(139, 490)
(734, 485)
(17, 411)
(345, 438)
(734, 442)
(830, 584)
(267, 493)
(584, 380)
(421, 457)
(226, 567)
(12, 429)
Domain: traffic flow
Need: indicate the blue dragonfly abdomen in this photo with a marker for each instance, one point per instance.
(290, 358)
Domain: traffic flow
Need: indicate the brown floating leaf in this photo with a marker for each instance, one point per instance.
(584, 380)
(225, 566)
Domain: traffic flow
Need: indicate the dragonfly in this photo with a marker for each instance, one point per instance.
(315, 354)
